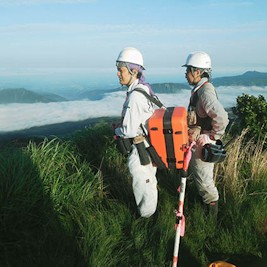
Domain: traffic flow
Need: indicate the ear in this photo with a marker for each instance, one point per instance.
(198, 72)
(135, 72)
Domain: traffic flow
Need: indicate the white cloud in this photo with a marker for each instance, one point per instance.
(228, 94)
(22, 116)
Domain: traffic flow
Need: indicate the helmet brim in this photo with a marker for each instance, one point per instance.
(125, 62)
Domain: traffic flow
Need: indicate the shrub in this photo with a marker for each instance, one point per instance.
(252, 114)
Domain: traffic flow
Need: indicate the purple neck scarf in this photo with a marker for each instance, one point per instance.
(142, 77)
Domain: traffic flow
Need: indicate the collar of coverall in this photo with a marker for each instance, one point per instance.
(200, 84)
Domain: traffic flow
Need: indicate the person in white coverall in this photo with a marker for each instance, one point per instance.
(207, 121)
(137, 109)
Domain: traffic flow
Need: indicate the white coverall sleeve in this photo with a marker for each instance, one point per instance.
(135, 114)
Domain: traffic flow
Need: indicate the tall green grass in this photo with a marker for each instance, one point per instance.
(70, 203)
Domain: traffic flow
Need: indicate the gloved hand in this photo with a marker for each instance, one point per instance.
(115, 125)
(204, 139)
(193, 133)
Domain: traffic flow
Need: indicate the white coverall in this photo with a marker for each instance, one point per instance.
(137, 109)
(214, 121)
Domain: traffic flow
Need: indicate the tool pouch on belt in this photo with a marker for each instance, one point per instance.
(124, 145)
(191, 118)
(141, 148)
(194, 133)
(194, 130)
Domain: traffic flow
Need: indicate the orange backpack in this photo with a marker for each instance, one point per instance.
(168, 134)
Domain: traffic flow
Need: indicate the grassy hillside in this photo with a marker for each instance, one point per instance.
(70, 203)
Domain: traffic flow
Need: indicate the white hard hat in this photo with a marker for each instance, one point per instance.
(131, 55)
(198, 59)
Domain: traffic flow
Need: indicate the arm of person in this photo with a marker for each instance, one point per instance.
(219, 117)
(133, 116)
(219, 120)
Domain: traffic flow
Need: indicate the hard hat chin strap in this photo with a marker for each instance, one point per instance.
(130, 69)
(193, 70)
(130, 81)
(121, 64)
(203, 73)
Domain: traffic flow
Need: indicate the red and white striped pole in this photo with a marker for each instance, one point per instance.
(180, 219)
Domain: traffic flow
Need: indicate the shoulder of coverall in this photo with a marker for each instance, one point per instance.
(140, 99)
(207, 91)
(138, 85)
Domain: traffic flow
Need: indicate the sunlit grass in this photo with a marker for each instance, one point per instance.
(70, 203)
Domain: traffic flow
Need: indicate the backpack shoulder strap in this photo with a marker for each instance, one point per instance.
(149, 97)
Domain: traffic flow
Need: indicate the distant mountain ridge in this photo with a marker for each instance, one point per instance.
(249, 78)
(97, 94)
(164, 88)
(21, 95)
(169, 88)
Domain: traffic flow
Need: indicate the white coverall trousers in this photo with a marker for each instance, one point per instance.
(203, 176)
(144, 184)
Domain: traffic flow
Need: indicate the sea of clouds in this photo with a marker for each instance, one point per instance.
(24, 116)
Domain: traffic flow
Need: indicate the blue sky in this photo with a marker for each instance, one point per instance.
(90, 33)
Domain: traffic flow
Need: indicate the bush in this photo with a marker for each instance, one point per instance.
(252, 114)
